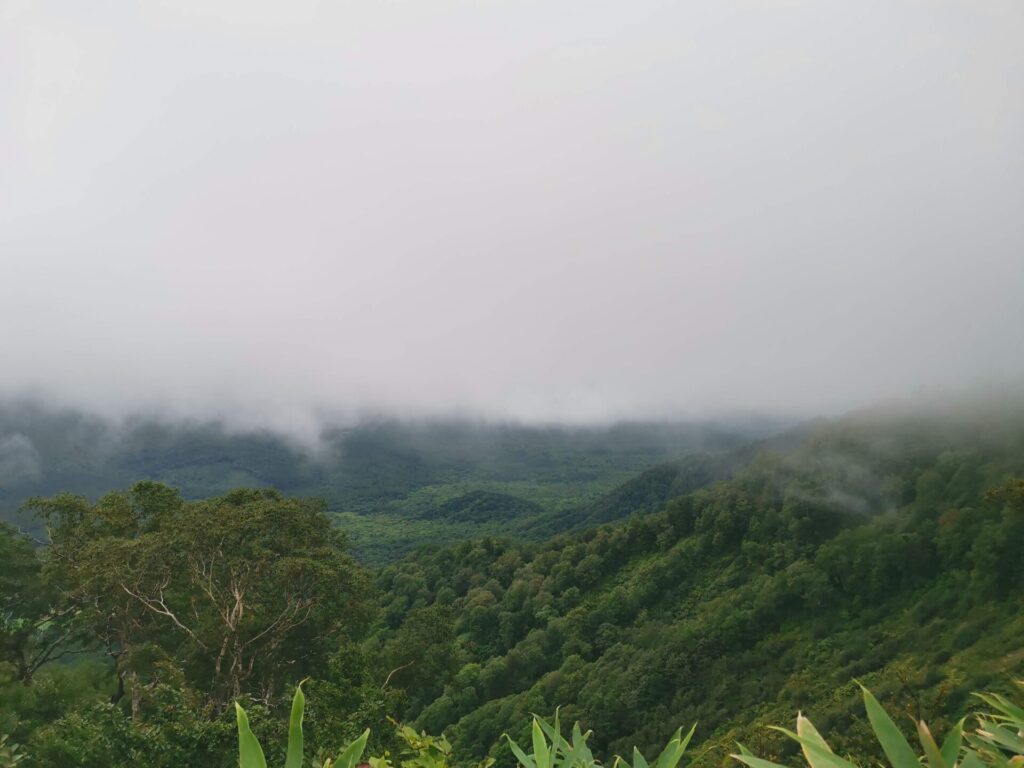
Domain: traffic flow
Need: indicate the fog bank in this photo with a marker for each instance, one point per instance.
(291, 214)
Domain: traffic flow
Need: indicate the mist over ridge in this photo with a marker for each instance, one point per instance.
(403, 467)
(670, 211)
(400, 373)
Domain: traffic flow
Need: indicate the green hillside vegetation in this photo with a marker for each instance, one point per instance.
(873, 551)
(736, 588)
(434, 516)
(398, 472)
(483, 507)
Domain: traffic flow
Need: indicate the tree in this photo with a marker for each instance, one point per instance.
(245, 592)
(36, 625)
(423, 654)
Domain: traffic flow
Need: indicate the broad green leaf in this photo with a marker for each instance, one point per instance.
(951, 745)
(755, 762)
(580, 753)
(894, 744)
(250, 753)
(349, 756)
(931, 749)
(675, 749)
(638, 759)
(999, 702)
(553, 732)
(540, 747)
(997, 760)
(817, 756)
(579, 756)
(524, 760)
(668, 755)
(295, 745)
(805, 730)
(688, 737)
(1002, 736)
(579, 739)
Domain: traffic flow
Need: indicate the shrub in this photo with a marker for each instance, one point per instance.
(997, 742)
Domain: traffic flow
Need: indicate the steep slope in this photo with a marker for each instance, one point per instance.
(872, 551)
(437, 518)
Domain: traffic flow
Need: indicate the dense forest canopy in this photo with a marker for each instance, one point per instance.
(373, 473)
(726, 587)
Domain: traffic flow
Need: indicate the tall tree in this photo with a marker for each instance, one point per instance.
(36, 623)
(243, 592)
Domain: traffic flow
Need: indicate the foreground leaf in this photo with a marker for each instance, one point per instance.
(349, 757)
(295, 745)
(894, 744)
(951, 746)
(250, 753)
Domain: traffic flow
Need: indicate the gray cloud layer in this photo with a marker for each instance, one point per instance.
(567, 209)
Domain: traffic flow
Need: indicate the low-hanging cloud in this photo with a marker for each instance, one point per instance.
(19, 459)
(565, 210)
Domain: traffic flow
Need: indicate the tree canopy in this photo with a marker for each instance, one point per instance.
(243, 593)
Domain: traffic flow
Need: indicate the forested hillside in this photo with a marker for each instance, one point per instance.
(876, 551)
(396, 484)
(741, 586)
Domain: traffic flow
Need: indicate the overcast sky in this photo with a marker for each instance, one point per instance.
(553, 209)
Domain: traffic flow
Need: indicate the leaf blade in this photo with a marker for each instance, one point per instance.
(349, 756)
(893, 742)
(250, 753)
(293, 759)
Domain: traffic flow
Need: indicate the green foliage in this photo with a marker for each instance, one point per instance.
(867, 552)
(56, 690)
(419, 750)
(36, 621)
(173, 728)
(404, 471)
(10, 753)
(423, 655)
(215, 585)
(550, 749)
(250, 753)
(669, 756)
(482, 506)
(350, 697)
(998, 740)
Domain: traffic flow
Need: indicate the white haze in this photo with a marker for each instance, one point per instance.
(546, 210)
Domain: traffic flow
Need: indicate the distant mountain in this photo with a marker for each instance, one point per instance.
(463, 472)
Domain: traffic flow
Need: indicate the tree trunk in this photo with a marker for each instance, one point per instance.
(24, 671)
(119, 693)
(136, 696)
